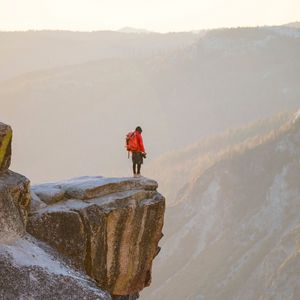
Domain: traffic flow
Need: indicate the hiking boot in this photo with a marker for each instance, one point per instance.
(138, 175)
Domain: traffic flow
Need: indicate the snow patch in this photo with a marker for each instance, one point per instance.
(297, 116)
(25, 253)
(270, 218)
(208, 214)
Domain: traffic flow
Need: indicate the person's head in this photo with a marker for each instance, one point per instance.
(139, 129)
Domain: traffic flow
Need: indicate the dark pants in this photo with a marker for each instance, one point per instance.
(137, 161)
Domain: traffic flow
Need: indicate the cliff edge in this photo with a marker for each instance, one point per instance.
(76, 239)
(108, 227)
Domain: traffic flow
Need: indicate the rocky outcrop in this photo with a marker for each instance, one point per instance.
(102, 234)
(108, 227)
(29, 270)
(5, 146)
(14, 191)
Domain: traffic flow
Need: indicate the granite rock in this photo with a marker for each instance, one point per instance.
(109, 227)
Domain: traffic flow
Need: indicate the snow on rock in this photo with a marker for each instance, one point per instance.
(88, 187)
(297, 116)
(24, 252)
(27, 271)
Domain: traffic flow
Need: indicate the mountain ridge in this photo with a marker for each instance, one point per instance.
(195, 159)
(232, 226)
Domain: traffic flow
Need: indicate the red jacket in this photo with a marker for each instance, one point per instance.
(139, 138)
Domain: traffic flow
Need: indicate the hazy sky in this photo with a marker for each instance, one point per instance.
(157, 15)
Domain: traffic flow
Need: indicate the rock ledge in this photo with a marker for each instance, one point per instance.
(108, 227)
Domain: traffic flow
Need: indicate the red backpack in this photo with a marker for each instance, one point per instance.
(131, 142)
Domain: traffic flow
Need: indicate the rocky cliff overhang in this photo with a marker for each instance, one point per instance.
(102, 234)
(108, 227)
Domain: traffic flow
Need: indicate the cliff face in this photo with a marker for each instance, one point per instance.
(108, 227)
(102, 233)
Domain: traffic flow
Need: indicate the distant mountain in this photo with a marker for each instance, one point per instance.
(179, 168)
(225, 79)
(236, 234)
(293, 24)
(24, 52)
(185, 92)
(133, 30)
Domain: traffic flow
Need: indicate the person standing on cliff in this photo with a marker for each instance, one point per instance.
(135, 145)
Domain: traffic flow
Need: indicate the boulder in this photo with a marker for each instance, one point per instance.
(17, 188)
(110, 227)
(10, 220)
(5, 146)
(14, 204)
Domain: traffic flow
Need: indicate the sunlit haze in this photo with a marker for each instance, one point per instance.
(150, 150)
(156, 15)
